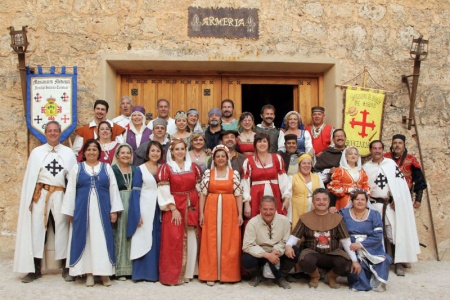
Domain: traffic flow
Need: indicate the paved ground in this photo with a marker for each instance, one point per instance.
(426, 280)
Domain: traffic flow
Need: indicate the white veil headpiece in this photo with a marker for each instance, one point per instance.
(224, 148)
(172, 163)
(344, 164)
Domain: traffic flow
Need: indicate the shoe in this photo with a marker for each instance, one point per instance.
(332, 279)
(106, 281)
(380, 288)
(283, 283)
(66, 276)
(314, 281)
(255, 281)
(122, 278)
(30, 277)
(399, 270)
(89, 280)
(406, 265)
(290, 278)
(187, 280)
(210, 283)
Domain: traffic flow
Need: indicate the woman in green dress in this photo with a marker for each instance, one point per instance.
(123, 170)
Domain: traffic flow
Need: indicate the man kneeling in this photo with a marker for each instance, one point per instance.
(322, 232)
(264, 242)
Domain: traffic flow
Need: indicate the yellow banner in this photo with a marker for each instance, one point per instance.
(363, 117)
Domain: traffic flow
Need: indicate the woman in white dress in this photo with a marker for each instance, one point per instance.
(92, 201)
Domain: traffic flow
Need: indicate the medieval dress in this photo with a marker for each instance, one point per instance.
(179, 243)
(386, 179)
(373, 259)
(47, 165)
(220, 250)
(259, 180)
(135, 138)
(145, 239)
(302, 195)
(121, 243)
(345, 179)
(91, 196)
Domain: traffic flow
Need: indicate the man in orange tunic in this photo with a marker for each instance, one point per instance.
(89, 131)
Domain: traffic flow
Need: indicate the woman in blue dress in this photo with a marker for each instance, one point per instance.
(365, 227)
(144, 221)
(293, 124)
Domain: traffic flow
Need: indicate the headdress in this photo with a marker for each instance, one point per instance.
(223, 148)
(215, 111)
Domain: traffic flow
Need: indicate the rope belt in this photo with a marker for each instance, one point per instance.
(264, 182)
(37, 195)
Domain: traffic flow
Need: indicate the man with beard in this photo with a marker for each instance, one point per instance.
(163, 108)
(391, 197)
(410, 167)
(320, 132)
(228, 121)
(228, 138)
(330, 158)
(126, 106)
(267, 126)
(291, 155)
(159, 134)
(89, 131)
(212, 133)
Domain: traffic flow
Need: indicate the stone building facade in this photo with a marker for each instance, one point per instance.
(331, 41)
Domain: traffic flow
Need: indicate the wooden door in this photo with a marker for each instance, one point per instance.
(183, 92)
(204, 92)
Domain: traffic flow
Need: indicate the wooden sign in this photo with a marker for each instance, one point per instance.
(223, 22)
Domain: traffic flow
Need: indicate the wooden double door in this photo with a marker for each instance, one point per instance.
(204, 92)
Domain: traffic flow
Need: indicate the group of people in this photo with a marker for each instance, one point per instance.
(167, 201)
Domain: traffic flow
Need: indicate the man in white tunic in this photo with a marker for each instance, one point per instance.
(40, 203)
(126, 106)
(163, 108)
(390, 193)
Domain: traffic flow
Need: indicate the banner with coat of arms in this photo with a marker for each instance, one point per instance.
(363, 114)
(51, 97)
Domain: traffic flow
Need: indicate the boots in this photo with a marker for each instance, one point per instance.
(315, 276)
(37, 272)
(332, 279)
(399, 270)
(90, 280)
(65, 272)
(256, 276)
(281, 281)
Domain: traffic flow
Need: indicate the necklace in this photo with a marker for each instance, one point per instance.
(316, 131)
(263, 164)
(197, 157)
(360, 217)
(127, 176)
(106, 148)
(247, 137)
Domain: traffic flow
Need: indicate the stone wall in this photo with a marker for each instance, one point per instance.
(376, 34)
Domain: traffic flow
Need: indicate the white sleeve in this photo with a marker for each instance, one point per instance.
(346, 245)
(120, 138)
(165, 197)
(284, 182)
(281, 142)
(292, 241)
(114, 194)
(245, 183)
(308, 141)
(77, 144)
(68, 205)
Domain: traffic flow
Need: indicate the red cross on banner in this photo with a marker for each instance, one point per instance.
(363, 117)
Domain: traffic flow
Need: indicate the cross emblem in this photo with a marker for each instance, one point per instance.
(37, 98)
(398, 173)
(381, 181)
(363, 124)
(65, 97)
(38, 119)
(65, 119)
(54, 167)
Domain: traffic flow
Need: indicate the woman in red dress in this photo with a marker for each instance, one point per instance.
(178, 199)
(264, 174)
(247, 134)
